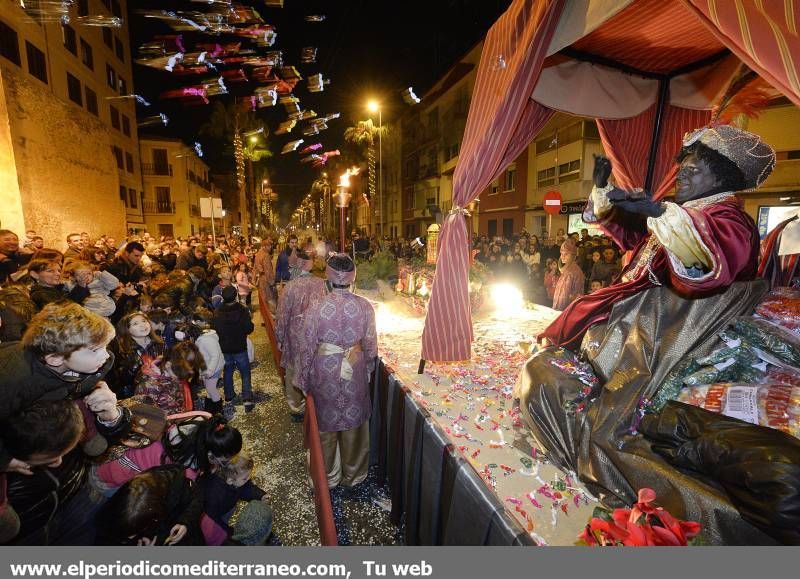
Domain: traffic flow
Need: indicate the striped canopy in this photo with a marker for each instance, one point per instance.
(642, 68)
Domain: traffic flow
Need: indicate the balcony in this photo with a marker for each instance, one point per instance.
(194, 210)
(153, 169)
(158, 207)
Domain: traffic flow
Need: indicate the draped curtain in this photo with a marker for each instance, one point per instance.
(502, 121)
(627, 144)
(762, 33)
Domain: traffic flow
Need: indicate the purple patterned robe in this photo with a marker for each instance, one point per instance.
(342, 319)
(569, 286)
(299, 294)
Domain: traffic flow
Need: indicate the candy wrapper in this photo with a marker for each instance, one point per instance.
(782, 307)
(773, 405)
(771, 338)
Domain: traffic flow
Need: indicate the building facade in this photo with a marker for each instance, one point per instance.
(69, 124)
(175, 180)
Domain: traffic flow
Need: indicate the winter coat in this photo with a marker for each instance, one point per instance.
(233, 323)
(208, 344)
(42, 295)
(180, 292)
(25, 379)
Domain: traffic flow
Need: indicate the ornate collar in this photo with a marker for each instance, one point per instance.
(711, 200)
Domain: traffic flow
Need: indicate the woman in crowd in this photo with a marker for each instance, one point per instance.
(551, 278)
(47, 287)
(165, 382)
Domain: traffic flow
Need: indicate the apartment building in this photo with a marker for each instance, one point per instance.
(175, 179)
(70, 159)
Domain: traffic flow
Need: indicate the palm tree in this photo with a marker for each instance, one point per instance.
(230, 124)
(364, 133)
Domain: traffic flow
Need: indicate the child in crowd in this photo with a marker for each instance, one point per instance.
(551, 277)
(39, 435)
(165, 382)
(62, 355)
(136, 342)
(160, 506)
(232, 323)
(595, 285)
(207, 342)
(224, 281)
(243, 285)
(229, 485)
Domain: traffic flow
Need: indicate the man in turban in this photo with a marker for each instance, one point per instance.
(697, 245)
(299, 295)
(341, 347)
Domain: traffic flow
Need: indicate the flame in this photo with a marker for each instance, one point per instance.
(344, 178)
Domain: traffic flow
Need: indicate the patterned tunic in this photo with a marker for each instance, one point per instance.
(341, 319)
(292, 305)
(569, 286)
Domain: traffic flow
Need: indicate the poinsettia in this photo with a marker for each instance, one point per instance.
(642, 525)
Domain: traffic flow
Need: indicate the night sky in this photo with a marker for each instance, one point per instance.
(367, 48)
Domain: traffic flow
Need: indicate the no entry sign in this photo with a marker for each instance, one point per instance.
(552, 202)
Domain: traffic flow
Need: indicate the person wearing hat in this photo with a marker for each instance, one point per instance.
(571, 281)
(697, 245)
(300, 293)
(339, 351)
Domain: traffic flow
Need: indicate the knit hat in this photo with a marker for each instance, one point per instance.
(254, 525)
(569, 247)
(229, 294)
(754, 158)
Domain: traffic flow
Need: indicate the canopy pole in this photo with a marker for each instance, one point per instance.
(663, 95)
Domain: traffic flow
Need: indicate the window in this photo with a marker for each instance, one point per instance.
(163, 200)
(74, 90)
(118, 156)
(123, 194)
(111, 77)
(546, 177)
(9, 43)
(107, 4)
(114, 117)
(492, 228)
(119, 49)
(70, 39)
(107, 37)
(126, 126)
(87, 56)
(36, 62)
(569, 171)
(123, 86)
(91, 101)
(508, 228)
(494, 188)
(508, 180)
(116, 10)
(160, 164)
(132, 198)
(129, 165)
(83, 7)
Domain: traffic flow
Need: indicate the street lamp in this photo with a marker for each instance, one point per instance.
(375, 107)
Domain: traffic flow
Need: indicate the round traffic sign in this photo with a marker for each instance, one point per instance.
(552, 202)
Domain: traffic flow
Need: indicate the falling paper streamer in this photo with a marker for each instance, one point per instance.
(497, 63)
(316, 83)
(139, 99)
(98, 20)
(409, 97)
(285, 127)
(311, 148)
(291, 146)
(159, 119)
(308, 55)
(315, 18)
(173, 60)
(198, 148)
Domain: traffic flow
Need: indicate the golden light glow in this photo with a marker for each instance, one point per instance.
(388, 321)
(344, 178)
(507, 298)
(373, 106)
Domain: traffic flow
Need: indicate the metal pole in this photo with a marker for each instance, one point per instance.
(342, 211)
(663, 93)
(380, 172)
(213, 231)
